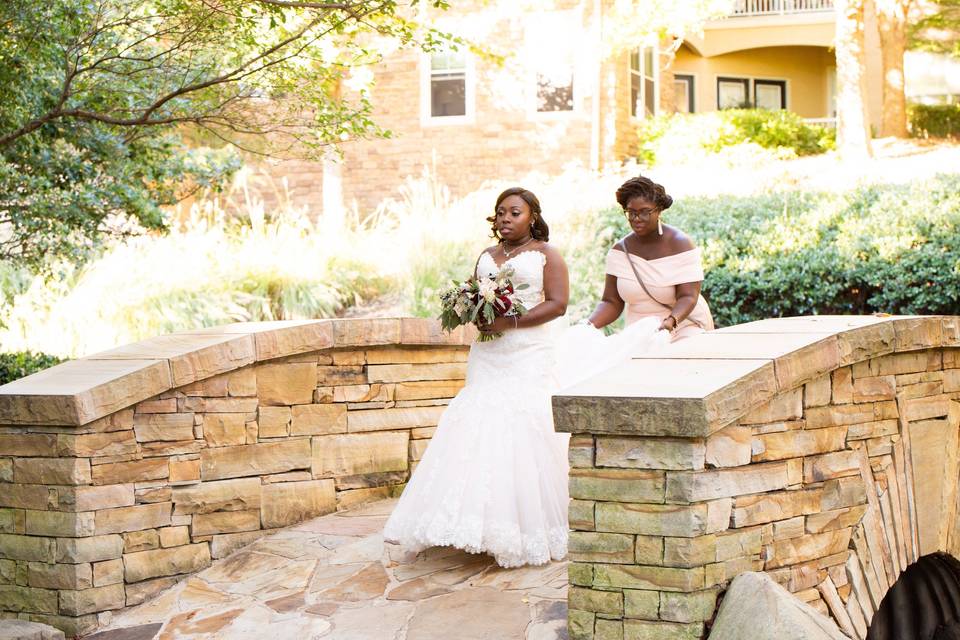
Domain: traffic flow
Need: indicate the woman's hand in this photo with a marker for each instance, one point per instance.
(669, 324)
(499, 325)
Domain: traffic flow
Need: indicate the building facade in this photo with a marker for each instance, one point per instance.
(549, 92)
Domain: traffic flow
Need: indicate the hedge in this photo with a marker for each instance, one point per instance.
(890, 249)
(935, 121)
(688, 136)
(19, 364)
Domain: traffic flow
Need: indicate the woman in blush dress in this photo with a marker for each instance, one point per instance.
(655, 271)
(494, 477)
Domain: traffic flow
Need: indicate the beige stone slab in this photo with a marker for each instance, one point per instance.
(28, 444)
(224, 495)
(64, 471)
(618, 485)
(280, 338)
(721, 483)
(868, 341)
(135, 518)
(208, 524)
(778, 505)
(163, 427)
(224, 429)
(318, 419)
(286, 384)
(428, 389)
(807, 324)
(784, 406)
(805, 548)
(288, 503)
(191, 357)
(428, 331)
(837, 519)
(254, 459)
(796, 443)
(650, 453)
(356, 453)
(918, 332)
(80, 391)
(830, 465)
(94, 498)
(681, 397)
(683, 521)
(644, 577)
(133, 471)
(366, 332)
(388, 419)
(165, 562)
(728, 345)
(416, 372)
(729, 447)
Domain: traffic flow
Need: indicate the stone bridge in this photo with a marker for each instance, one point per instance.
(786, 446)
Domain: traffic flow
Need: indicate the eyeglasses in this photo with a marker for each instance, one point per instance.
(639, 214)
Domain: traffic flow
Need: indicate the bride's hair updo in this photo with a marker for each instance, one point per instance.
(539, 230)
(644, 188)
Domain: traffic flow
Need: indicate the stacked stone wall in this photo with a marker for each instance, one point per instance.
(833, 487)
(103, 515)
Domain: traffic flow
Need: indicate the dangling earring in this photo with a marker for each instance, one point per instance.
(659, 227)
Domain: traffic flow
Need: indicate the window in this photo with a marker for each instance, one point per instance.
(550, 43)
(683, 91)
(770, 94)
(733, 93)
(643, 82)
(555, 85)
(448, 84)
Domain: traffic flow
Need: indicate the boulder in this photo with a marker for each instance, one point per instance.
(757, 608)
(23, 630)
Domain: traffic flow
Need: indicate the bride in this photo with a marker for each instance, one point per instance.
(494, 478)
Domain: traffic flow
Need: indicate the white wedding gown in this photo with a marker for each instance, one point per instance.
(494, 477)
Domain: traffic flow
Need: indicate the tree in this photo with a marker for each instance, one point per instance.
(892, 24)
(937, 29)
(96, 95)
(853, 125)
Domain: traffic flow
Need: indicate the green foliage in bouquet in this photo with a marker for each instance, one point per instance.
(480, 301)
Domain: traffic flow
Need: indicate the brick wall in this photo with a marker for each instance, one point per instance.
(101, 515)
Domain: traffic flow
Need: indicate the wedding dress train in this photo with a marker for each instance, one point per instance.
(494, 477)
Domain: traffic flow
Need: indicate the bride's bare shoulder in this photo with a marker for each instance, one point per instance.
(548, 250)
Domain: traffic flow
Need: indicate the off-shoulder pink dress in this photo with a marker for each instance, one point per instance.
(661, 276)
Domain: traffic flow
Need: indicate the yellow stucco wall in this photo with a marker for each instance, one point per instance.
(805, 70)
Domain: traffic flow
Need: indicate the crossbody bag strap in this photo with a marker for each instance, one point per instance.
(623, 245)
(636, 274)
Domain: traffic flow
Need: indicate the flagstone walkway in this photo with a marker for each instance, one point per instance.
(334, 578)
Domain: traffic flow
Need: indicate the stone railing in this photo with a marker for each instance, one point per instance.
(125, 470)
(820, 450)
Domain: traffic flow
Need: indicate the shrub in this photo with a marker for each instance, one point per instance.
(20, 364)
(889, 248)
(935, 120)
(683, 137)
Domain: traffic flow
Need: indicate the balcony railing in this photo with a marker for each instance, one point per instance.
(780, 7)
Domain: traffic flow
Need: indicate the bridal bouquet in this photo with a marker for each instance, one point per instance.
(481, 301)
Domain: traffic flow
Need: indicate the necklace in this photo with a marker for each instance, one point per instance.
(515, 249)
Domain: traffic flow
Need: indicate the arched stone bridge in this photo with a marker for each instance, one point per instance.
(820, 450)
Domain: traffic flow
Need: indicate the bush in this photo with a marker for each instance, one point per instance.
(935, 120)
(890, 249)
(20, 364)
(680, 137)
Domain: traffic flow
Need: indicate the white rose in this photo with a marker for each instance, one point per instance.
(488, 289)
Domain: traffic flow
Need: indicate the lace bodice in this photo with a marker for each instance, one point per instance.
(528, 269)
